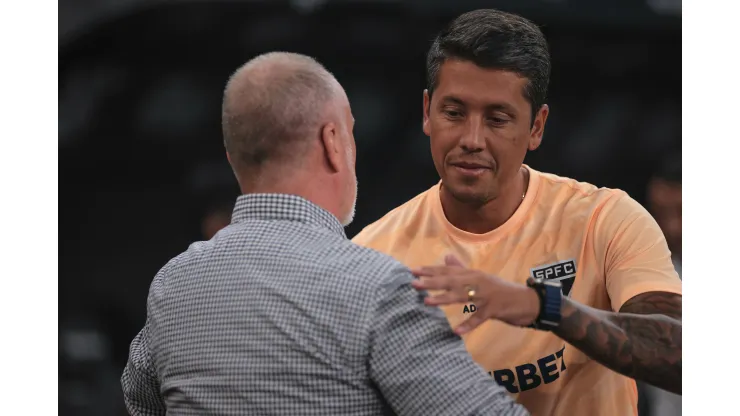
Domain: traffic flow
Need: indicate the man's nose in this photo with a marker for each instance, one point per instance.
(472, 139)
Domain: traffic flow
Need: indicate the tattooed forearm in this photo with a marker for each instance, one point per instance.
(642, 341)
(658, 303)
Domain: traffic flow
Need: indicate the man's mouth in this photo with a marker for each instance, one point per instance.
(470, 168)
(469, 165)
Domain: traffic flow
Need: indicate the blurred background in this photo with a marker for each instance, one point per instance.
(143, 172)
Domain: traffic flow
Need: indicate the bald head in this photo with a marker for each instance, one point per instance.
(287, 127)
(272, 107)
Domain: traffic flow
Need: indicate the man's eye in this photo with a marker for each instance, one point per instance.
(452, 113)
(498, 120)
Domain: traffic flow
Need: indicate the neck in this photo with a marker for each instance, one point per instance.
(480, 219)
(311, 187)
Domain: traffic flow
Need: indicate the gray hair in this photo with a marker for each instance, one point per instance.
(271, 105)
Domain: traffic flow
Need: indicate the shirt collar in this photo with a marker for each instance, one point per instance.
(284, 207)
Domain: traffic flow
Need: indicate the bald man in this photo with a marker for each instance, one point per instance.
(279, 313)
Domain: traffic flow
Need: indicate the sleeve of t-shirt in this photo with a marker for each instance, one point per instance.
(636, 256)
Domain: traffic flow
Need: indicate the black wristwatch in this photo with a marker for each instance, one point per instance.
(551, 300)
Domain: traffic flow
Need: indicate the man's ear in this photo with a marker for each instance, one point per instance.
(538, 128)
(426, 102)
(330, 142)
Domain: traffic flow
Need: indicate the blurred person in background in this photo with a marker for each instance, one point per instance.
(279, 313)
(213, 189)
(216, 217)
(579, 266)
(664, 202)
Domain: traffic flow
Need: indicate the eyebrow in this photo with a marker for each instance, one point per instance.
(451, 99)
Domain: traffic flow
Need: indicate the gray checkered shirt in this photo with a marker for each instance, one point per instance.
(281, 314)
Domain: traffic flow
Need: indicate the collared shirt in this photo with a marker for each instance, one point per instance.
(280, 314)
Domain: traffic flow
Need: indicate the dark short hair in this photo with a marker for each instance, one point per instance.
(497, 40)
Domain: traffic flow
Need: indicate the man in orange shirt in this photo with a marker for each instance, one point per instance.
(587, 267)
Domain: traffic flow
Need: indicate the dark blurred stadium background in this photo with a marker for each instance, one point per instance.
(143, 170)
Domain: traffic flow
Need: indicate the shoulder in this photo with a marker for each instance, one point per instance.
(619, 227)
(182, 261)
(370, 266)
(605, 207)
(566, 189)
(405, 216)
(623, 207)
(569, 200)
(623, 219)
(332, 262)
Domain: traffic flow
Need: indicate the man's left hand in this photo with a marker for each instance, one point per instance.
(494, 298)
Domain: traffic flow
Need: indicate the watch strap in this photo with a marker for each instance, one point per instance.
(551, 301)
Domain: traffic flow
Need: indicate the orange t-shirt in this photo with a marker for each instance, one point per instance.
(602, 245)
